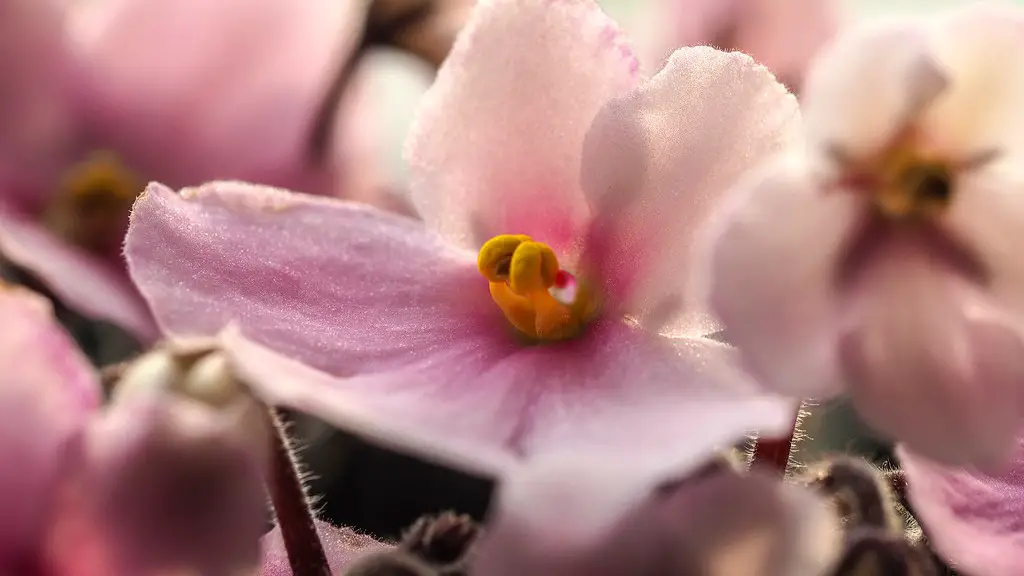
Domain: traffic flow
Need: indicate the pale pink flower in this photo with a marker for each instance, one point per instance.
(101, 96)
(973, 520)
(784, 35)
(618, 517)
(409, 328)
(880, 258)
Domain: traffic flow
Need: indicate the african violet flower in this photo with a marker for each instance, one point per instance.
(784, 35)
(972, 519)
(880, 258)
(543, 305)
(166, 477)
(99, 97)
(614, 517)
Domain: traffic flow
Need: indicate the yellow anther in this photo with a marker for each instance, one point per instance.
(522, 273)
(495, 258)
(103, 175)
(911, 185)
(534, 267)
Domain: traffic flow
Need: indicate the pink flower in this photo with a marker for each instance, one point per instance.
(544, 304)
(101, 96)
(784, 35)
(159, 479)
(880, 258)
(972, 519)
(341, 545)
(613, 518)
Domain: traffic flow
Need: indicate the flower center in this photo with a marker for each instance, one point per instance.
(542, 301)
(909, 185)
(95, 199)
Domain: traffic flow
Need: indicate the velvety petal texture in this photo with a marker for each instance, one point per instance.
(239, 81)
(972, 520)
(497, 142)
(342, 546)
(659, 160)
(610, 517)
(47, 393)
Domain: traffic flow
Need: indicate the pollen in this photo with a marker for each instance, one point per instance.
(102, 175)
(907, 184)
(537, 297)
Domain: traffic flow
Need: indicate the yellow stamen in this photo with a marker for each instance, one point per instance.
(102, 174)
(521, 274)
(911, 185)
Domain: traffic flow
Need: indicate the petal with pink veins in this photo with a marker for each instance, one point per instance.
(92, 285)
(342, 546)
(484, 406)
(973, 520)
(497, 144)
(771, 260)
(48, 391)
(659, 160)
(239, 80)
(340, 286)
(928, 359)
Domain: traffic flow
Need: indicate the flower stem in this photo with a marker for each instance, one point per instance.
(773, 453)
(291, 506)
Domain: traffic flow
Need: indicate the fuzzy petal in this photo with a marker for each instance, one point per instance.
(496, 147)
(34, 107)
(239, 81)
(340, 286)
(342, 546)
(980, 47)
(47, 390)
(605, 518)
(658, 161)
(930, 362)
(864, 87)
(485, 405)
(973, 520)
(780, 316)
(92, 286)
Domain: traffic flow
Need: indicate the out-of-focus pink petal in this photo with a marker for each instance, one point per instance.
(338, 285)
(770, 271)
(497, 144)
(980, 47)
(864, 87)
(47, 391)
(972, 520)
(483, 405)
(192, 91)
(615, 517)
(928, 359)
(89, 284)
(658, 161)
(342, 545)
(34, 108)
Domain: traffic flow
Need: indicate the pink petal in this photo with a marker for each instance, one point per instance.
(340, 286)
(47, 390)
(91, 285)
(865, 86)
(483, 404)
(979, 47)
(496, 148)
(193, 91)
(658, 161)
(34, 106)
(342, 545)
(930, 362)
(771, 260)
(972, 520)
(611, 518)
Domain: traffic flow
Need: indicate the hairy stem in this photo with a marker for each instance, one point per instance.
(772, 453)
(291, 506)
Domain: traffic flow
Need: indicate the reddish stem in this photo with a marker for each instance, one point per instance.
(773, 453)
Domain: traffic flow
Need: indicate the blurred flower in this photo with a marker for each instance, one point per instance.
(100, 97)
(578, 518)
(972, 519)
(784, 35)
(484, 358)
(881, 259)
(161, 479)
